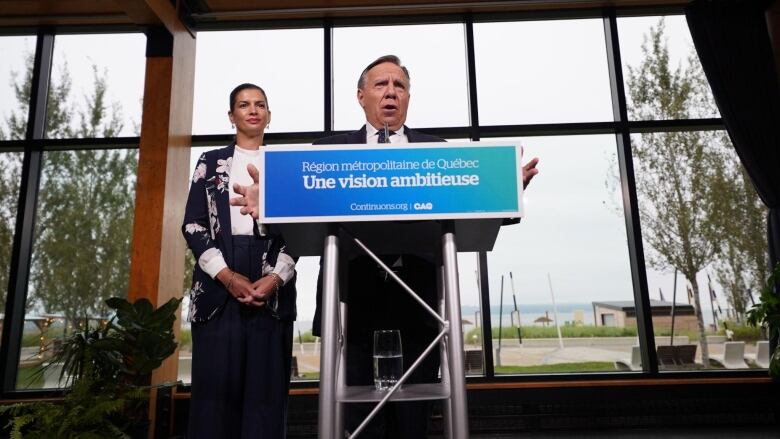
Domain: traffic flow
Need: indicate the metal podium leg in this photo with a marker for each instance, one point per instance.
(445, 364)
(341, 370)
(459, 413)
(327, 421)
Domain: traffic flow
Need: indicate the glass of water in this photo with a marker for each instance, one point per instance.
(388, 358)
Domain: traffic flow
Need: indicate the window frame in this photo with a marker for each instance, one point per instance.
(34, 145)
(621, 127)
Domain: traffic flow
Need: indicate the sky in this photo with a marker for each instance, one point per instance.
(544, 72)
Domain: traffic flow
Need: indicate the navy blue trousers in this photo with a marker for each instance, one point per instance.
(241, 362)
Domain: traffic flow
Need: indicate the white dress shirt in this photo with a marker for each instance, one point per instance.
(398, 136)
(372, 135)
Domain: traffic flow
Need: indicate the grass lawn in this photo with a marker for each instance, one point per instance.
(308, 376)
(587, 366)
(27, 378)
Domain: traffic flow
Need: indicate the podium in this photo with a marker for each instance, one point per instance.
(337, 243)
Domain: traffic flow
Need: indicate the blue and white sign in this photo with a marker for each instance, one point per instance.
(334, 183)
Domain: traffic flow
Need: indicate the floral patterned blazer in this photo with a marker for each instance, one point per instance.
(207, 225)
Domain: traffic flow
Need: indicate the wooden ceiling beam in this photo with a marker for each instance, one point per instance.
(168, 15)
(153, 13)
(139, 12)
(30, 13)
(232, 10)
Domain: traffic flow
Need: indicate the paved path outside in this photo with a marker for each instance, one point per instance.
(515, 354)
(537, 353)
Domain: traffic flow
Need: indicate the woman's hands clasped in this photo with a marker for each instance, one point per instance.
(254, 294)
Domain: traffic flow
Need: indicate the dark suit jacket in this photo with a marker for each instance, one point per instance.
(359, 136)
(207, 225)
(420, 274)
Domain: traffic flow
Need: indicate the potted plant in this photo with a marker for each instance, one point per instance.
(109, 371)
(766, 313)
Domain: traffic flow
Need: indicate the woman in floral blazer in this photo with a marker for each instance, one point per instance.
(242, 301)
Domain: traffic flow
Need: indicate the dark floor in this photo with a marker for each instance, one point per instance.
(718, 433)
(682, 411)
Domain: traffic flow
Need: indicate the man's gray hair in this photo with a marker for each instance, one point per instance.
(392, 59)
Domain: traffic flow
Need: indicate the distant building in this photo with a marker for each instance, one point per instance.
(578, 318)
(621, 314)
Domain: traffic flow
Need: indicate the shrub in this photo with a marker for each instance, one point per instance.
(551, 332)
(742, 332)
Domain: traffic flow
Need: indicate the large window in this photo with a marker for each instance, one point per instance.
(14, 100)
(80, 242)
(527, 73)
(563, 284)
(15, 82)
(704, 231)
(435, 56)
(83, 231)
(568, 302)
(650, 86)
(703, 226)
(96, 88)
(287, 64)
(551, 274)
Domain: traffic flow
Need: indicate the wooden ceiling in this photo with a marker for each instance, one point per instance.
(33, 13)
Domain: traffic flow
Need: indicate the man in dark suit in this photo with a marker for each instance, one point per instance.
(374, 300)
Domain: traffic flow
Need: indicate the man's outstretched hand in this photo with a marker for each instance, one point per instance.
(529, 170)
(248, 195)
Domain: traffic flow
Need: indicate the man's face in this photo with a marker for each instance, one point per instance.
(385, 96)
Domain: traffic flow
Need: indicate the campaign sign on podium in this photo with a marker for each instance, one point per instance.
(336, 183)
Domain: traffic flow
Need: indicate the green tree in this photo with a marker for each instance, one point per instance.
(741, 219)
(83, 231)
(58, 112)
(85, 203)
(10, 166)
(675, 171)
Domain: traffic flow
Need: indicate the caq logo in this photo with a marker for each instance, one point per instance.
(423, 206)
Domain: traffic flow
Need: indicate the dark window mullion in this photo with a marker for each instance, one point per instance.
(487, 325)
(328, 77)
(482, 265)
(472, 75)
(25, 216)
(630, 201)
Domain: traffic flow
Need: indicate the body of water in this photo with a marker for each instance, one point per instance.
(530, 312)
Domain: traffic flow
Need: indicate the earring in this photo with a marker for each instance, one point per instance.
(232, 126)
(268, 126)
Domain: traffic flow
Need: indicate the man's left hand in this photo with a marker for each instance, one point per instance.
(529, 170)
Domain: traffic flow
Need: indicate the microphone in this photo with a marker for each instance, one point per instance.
(387, 134)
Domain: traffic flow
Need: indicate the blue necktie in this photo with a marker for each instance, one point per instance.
(382, 138)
